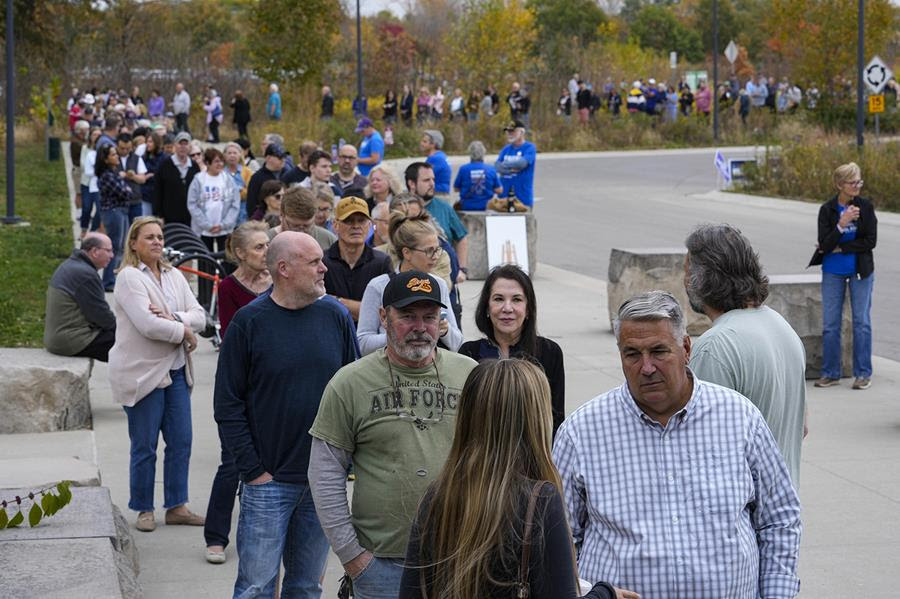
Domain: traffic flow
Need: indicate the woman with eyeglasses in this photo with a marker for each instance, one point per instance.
(847, 234)
(415, 241)
(271, 193)
(507, 316)
(468, 539)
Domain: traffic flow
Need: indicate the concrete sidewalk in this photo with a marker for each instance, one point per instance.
(850, 482)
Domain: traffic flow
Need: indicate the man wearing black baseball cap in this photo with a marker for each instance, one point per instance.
(392, 413)
(273, 168)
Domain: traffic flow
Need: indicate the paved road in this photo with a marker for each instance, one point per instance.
(654, 199)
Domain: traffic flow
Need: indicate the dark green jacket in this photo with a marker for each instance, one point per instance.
(76, 307)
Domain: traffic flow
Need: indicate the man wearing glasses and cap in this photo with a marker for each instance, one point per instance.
(173, 179)
(516, 164)
(371, 149)
(392, 413)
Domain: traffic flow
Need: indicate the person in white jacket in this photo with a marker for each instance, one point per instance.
(214, 201)
(150, 371)
(416, 244)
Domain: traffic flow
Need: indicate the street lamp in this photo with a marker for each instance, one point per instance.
(860, 50)
(715, 52)
(359, 76)
(10, 218)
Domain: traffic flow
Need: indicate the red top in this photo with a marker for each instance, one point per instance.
(232, 297)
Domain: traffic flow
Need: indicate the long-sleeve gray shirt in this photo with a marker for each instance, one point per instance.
(328, 480)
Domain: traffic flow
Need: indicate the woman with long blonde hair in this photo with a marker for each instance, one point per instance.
(493, 523)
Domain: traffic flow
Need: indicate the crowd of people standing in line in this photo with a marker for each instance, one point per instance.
(342, 346)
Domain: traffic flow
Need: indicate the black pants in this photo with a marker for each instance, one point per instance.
(214, 131)
(204, 286)
(181, 122)
(242, 130)
(100, 346)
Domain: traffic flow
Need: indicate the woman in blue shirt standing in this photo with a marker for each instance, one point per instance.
(847, 235)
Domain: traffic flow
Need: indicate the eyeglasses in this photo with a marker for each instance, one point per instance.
(858, 183)
(324, 209)
(430, 252)
(347, 157)
(195, 154)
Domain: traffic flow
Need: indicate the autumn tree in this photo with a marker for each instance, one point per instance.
(493, 41)
(657, 28)
(292, 40)
(818, 39)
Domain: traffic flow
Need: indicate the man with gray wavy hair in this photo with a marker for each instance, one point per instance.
(749, 348)
(674, 486)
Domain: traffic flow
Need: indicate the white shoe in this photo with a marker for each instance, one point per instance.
(215, 557)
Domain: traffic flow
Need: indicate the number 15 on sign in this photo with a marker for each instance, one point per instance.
(876, 103)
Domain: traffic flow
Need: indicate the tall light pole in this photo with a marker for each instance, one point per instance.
(860, 51)
(10, 218)
(715, 51)
(359, 77)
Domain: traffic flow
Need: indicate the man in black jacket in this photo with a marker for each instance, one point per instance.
(172, 181)
(272, 168)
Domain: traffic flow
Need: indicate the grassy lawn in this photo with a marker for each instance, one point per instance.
(29, 255)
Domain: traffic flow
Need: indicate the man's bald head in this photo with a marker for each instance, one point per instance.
(98, 249)
(347, 160)
(295, 262)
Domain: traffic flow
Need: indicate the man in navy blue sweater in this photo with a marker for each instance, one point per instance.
(280, 352)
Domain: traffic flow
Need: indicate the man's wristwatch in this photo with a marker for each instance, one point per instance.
(464, 270)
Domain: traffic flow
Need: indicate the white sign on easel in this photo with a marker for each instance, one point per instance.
(507, 241)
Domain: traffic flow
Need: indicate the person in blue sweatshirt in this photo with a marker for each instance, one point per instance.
(516, 164)
(278, 354)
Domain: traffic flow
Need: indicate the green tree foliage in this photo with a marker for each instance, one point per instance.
(818, 39)
(43, 504)
(565, 27)
(657, 28)
(292, 40)
(702, 22)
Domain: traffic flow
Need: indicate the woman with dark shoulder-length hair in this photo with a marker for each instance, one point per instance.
(507, 316)
(848, 231)
(493, 522)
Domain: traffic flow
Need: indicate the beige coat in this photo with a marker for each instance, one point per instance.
(146, 345)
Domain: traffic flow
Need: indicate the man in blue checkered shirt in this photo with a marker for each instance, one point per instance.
(675, 487)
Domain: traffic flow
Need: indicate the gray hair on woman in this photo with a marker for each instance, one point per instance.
(476, 151)
(650, 306)
(723, 271)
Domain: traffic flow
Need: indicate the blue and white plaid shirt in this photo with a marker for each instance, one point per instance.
(703, 508)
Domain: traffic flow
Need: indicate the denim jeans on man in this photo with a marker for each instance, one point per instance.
(167, 411)
(115, 220)
(278, 522)
(221, 500)
(833, 293)
(90, 202)
(380, 579)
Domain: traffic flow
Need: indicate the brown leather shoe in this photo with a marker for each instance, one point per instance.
(145, 522)
(186, 518)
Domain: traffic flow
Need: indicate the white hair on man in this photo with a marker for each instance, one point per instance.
(649, 306)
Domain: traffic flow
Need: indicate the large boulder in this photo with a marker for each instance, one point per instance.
(798, 298)
(41, 392)
(478, 248)
(35, 460)
(636, 270)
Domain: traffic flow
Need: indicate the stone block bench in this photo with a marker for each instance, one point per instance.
(42, 392)
(84, 550)
(478, 249)
(798, 298)
(34, 460)
(636, 270)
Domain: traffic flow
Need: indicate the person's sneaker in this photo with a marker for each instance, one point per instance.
(145, 522)
(861, 383)
(827, 382)
(215, 557)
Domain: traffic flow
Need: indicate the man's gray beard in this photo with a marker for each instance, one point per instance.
(694, 301)
(409, 352)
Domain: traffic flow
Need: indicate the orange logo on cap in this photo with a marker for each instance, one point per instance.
(416, 284)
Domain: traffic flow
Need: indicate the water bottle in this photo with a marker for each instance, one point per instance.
(511, 200)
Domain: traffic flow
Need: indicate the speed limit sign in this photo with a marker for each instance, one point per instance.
(876, 104)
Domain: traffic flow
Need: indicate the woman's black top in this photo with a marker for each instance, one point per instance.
(551, 573)
(549, 356)
(830, 237)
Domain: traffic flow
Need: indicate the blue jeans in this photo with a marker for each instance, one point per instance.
(380, 579)
(167, 411)
(115, 220)
(135, 211)
(90, 202)
(221, 500)
(833, 293)
(278, 522)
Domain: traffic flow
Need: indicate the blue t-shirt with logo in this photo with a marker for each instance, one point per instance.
(839, 263)
(442, 171)
(476, 183)
(374, 144)
(521, 180)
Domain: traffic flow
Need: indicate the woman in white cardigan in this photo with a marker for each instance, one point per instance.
(416, 244)
(150, 370)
